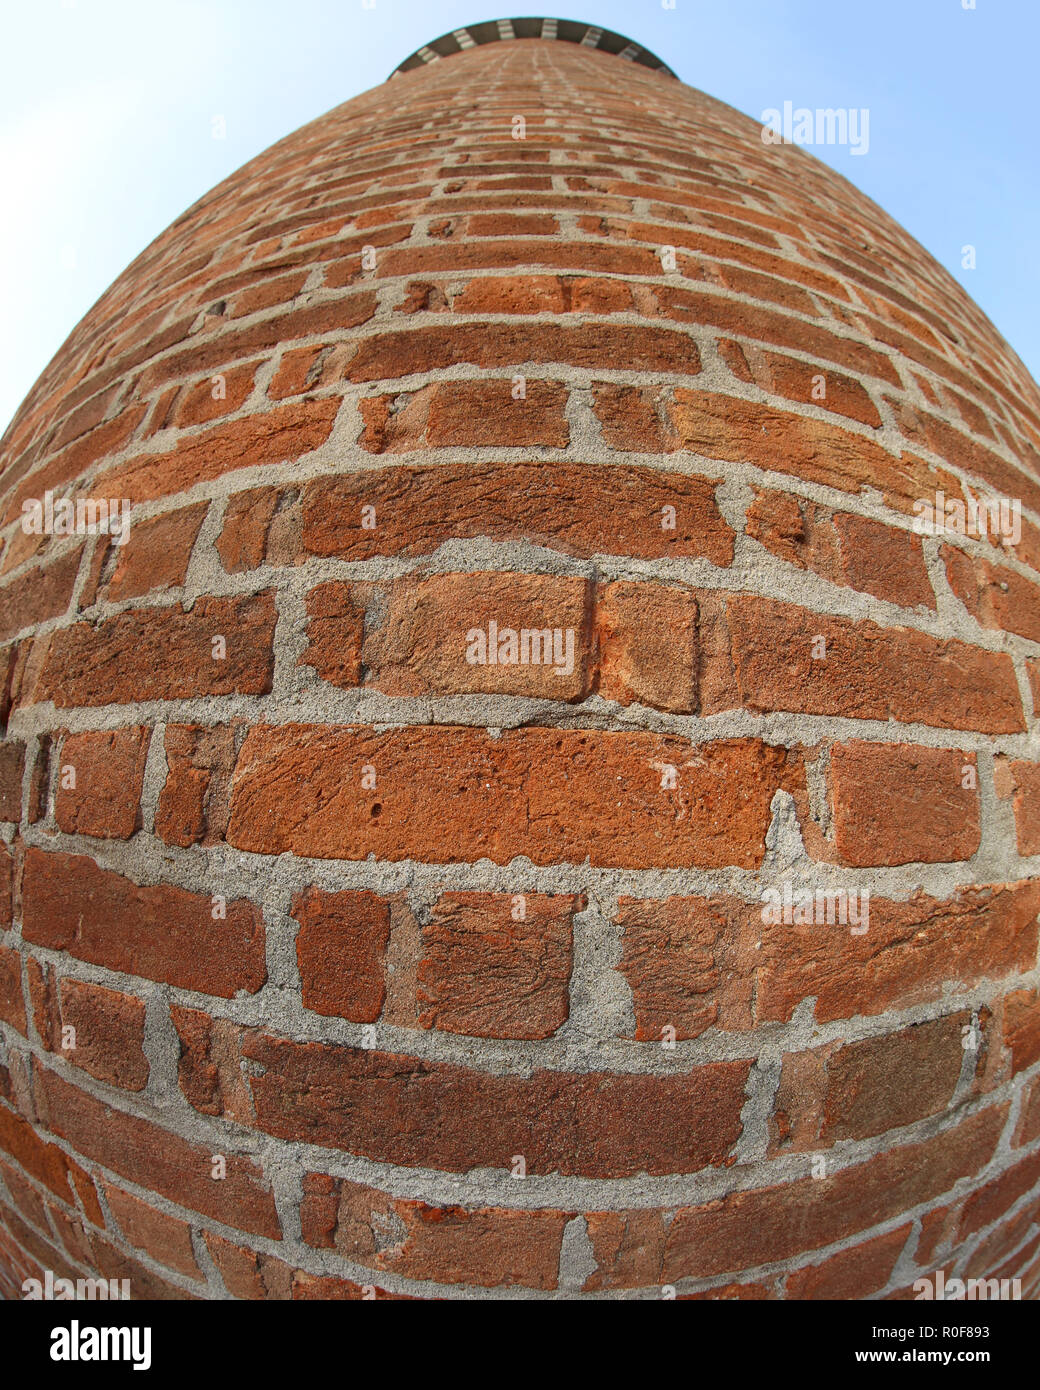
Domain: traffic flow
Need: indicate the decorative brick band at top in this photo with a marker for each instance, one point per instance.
(566, 30)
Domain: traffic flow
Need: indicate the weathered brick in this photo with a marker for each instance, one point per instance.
(12, 770)
(100, 776)
(166, 1238)
(156, 553)
(858, 1089)
(491, 1247)
(335, 632)
(646, 643)
(575, 508)
(738, 431)
(556, 796)
(341, 952)
(163, 654)
(1022, 1027)
(867, 672)
(495, 965)
(98, 1029)
(284, 433)
(38, 594)
(413, 1112)
(12, 1002)
(514, 634)
(388, 355)
(157, 931)
(903, 803)
(851, 1274)
(193, 804)
(755, 1227)
(995, 595)
(156, 1158)
(1020, 781)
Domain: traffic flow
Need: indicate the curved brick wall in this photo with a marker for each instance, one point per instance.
(370, 919)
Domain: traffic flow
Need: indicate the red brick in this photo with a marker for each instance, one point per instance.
(1020, 780)
(482, 414)
(38, 594)
(511, 345)
(12, 1002)
(72, 462)
(193, 804)
(299, 370)
(555, 796)
(1022, 1027)
(12, 769)
(646, 637)
(42, 1160)
(487, 971)
(335, 632)
(843, 548)
(988, 1203)
(108, 1028)
(165, 1238)
(25, 1197)
(341, 952)
(512, 294)
(1029, 1117)
(869, 672)
(769, 326)
(911, 951)
(739, 431)
(243, 540)
(196, 404)
(858, 1089)
(417, 1113)
(502, 224)
(882, 561)
(628, 1247)
(903, 804)
(156, 553)
(575, 508)
(283, 434)
(490, 1247)
(632, 419)
(581, 256)
(852, 1274)
(755, 1227)
(157, 1159)
(781, 375)
(681, 958)
(427, 644)
(6, 880)
(985, 1259)
(249, 1274)
(108, 767)
(214, 352)
(159, 932)
(163, 654)
(996, 596)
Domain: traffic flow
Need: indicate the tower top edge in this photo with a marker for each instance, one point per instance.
(562, 30)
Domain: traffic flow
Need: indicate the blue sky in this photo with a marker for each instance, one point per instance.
(108, 111)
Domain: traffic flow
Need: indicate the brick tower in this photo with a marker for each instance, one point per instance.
(521, 811)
